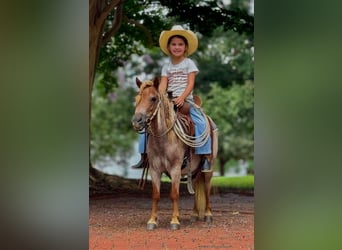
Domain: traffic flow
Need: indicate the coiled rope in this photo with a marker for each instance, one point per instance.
(193, 141)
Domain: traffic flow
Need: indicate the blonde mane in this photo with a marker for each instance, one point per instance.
(167, 115)
(142, 87)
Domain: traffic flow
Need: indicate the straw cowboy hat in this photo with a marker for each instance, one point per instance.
(178, 30)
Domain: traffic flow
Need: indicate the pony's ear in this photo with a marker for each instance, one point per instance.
(138, 82)
(156, 82)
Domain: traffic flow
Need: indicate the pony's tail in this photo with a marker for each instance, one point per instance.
(200, 200)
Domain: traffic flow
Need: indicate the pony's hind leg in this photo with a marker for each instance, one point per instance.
(202, 198)
(195, 214)
(197, 200)
(152, 222)
(208, 216)
(198, 208)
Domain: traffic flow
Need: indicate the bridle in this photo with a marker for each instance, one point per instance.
(149, 119)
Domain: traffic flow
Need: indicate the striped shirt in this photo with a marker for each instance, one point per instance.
(177, 76)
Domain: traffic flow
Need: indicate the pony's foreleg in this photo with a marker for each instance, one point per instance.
(152, 222)
(174, 195)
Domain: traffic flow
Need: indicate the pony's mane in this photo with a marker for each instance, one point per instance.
(145, 84)
(166, 114)
(142, 87)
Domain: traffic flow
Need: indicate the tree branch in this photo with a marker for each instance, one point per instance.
(117, 20)
(142, 27)
(105, 12)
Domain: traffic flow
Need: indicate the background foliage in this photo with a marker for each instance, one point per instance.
(111, 125)
(232, 109)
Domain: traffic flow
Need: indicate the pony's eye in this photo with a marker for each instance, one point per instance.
(153, 99)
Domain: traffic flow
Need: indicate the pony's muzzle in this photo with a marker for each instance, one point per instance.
(139, 122)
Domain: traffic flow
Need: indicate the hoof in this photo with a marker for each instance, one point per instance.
(151, 226)
(194, 218)
(174, 226)
(208, 219)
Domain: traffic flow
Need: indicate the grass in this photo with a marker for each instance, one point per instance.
(234, 183)
(239, 182)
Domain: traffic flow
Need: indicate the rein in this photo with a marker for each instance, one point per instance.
(148, 122)
(165, 132)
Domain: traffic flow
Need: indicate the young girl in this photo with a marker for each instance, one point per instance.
(178, 75)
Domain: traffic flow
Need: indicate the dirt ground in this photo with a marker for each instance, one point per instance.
(117, 220)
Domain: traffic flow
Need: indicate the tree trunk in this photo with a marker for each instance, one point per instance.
(94, 48)
(98, 12)
(221, 163)
(95, 37)
(94, 34)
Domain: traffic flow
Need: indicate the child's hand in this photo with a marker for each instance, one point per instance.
(178, 101)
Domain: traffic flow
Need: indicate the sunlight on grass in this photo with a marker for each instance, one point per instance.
(241, 182)
(236, 182)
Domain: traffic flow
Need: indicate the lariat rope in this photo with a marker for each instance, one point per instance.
(193, 141)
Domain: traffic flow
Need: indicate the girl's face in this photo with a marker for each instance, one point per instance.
(177, 47)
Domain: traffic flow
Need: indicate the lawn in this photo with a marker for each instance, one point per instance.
(238, 182)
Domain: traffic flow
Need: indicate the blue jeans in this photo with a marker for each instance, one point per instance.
(200, 124)
(141, 146)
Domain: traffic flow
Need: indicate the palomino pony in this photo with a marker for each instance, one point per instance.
(154, 112)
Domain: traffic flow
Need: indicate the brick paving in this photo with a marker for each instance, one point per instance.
(119, 222)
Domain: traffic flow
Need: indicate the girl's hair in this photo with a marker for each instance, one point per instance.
(178, 36)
